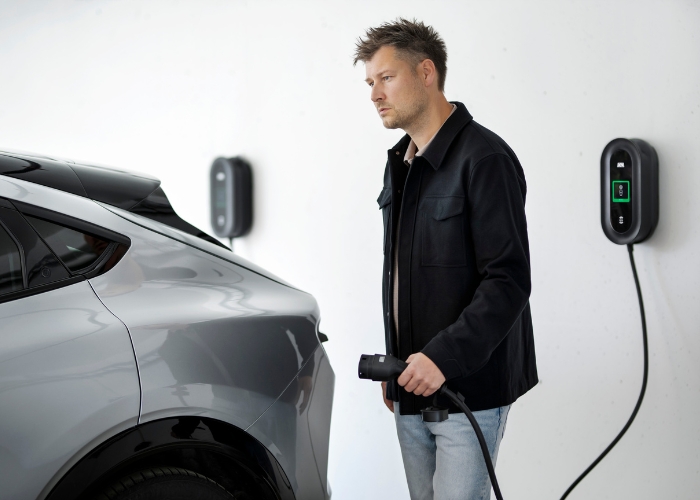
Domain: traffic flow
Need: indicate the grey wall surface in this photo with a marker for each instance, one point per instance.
(165, 87)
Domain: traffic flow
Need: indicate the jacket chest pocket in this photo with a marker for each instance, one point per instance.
(443, 231)
(384, 202)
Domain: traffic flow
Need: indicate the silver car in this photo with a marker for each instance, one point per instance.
(140, 358)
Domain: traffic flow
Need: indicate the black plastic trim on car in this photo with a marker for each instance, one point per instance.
(35, 290)
(41, 266)
(22, 258)
(71, 222)
(49, 173)
(218, 450)
(157, 207)
(117, 187)
(5, 203)
(21, 230)
(118, 242)
(130, 191)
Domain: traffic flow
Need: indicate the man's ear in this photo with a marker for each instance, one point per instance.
(427, 72)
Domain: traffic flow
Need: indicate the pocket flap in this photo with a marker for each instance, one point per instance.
(443, 207)
(384, 197)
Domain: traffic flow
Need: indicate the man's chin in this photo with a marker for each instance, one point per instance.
(389, 123)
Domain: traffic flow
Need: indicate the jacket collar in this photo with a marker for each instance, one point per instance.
(437, 149)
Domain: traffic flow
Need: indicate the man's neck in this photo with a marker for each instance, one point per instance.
(430, 123)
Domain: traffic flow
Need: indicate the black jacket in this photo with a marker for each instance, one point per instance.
(464, 265)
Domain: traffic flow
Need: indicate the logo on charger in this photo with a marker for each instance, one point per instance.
(620, 164)
(622, 220)
(620, 190)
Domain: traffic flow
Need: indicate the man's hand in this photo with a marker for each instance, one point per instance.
(422, 377)
(388, 402)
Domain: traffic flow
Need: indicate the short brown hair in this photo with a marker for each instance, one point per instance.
(412, 39)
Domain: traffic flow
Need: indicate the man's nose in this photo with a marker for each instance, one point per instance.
(376, 94)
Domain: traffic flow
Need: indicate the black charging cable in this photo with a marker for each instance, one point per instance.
(382, 367)
(458, 399)
(630, 249)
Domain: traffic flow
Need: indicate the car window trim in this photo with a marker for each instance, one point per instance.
(115, 239)
(20, 249)
(36, 290)
(70, 222)
(74, 276)
(23, 232)
(91, 270)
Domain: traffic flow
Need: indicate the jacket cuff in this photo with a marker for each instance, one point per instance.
(443, 358)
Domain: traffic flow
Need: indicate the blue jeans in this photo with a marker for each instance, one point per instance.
(443, 460)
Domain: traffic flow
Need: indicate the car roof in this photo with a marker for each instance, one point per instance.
(135, 192)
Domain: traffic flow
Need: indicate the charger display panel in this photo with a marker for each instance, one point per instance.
(621, 191)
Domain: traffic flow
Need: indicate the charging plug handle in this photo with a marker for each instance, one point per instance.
(383, 367)
(380, 367)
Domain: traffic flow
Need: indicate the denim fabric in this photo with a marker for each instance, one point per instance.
(443, 460)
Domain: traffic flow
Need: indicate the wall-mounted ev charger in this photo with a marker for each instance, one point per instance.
(231, 199)
(629, 196)
(629, 212)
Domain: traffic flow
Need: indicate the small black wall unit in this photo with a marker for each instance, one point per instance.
(231, 197)
(629, 190)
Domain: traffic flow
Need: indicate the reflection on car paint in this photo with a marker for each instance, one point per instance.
(78, 361)
(231, 352)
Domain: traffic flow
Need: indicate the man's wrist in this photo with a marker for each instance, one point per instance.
(443, 359)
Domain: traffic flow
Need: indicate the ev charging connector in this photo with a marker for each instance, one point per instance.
(384, 367)
(381, 368)
(629, 190)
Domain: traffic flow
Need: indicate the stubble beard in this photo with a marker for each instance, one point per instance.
(408, 116)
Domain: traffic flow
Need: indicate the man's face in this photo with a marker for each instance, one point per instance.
(398, 92)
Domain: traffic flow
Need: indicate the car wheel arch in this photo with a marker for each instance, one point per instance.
(221, 451)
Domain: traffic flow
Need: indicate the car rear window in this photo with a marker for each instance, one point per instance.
(76, 249)
(10, 264)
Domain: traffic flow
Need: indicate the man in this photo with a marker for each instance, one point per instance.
(456, 280)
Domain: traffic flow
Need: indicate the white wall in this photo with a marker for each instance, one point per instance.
(164, 87)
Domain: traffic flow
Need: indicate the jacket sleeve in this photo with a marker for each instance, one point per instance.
(496, 211)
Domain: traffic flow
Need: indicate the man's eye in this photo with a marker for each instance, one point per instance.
(371, 84)
(386, 78)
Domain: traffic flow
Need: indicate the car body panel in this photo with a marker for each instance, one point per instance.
(189, 239)
(285, 428)
(214, 337)
(61, 350)
(216, 340)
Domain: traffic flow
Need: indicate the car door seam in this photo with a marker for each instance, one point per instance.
(133, 349)
(283, 390)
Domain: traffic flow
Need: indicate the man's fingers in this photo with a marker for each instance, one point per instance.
(429, 392)
(412, 384)
(421, 377)
(419, 387)
(405, 377)
(423, 389)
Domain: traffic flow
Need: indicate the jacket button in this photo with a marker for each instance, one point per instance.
(397, 153)
(387, 314)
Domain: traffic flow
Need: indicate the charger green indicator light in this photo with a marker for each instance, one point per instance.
(621, 191)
